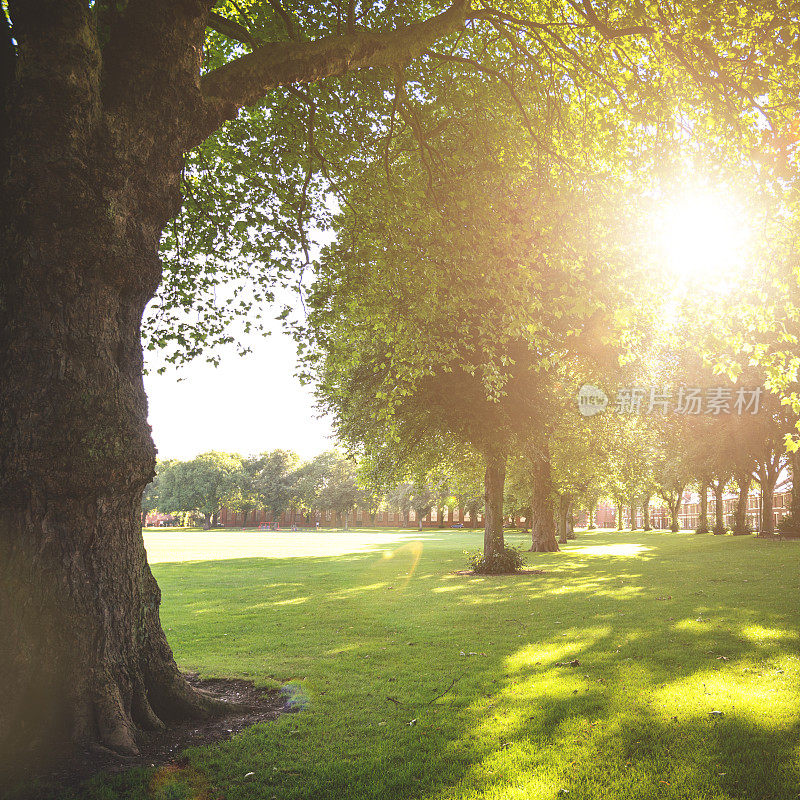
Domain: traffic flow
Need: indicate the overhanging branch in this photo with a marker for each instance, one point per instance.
(231, 29)
(7, 55)
(250, 77)
(8, 60)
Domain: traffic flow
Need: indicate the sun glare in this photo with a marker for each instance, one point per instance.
(704, 240)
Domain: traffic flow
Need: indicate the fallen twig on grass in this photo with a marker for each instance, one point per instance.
(452, 684)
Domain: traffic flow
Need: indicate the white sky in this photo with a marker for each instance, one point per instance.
(248, 404)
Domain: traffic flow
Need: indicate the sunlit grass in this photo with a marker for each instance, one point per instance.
(687, 681)
(165, 544)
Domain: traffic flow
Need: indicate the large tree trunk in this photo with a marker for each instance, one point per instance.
(702, 522)
(740, 527)
(494, 485)
(646, 514)
(619, 516)
(83, 202)
(543, 529)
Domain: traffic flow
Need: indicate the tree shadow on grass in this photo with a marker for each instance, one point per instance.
(660, 646)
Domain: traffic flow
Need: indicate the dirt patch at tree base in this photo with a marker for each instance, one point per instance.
(250, 707)
(470, 574)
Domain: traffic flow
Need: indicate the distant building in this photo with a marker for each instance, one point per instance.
(360, 518)
(605, 516)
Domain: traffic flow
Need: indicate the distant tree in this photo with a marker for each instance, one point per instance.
(274, 476)
(341, 491)
(151, 499)
(204, 484)
(310, 478)
(423, 496)
(401, 498)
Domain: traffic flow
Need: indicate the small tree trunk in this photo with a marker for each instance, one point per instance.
(795, 507)
(743, 481)
(767, 501)
(563, 510)
(570, 526)
(632, 509)
(619, 516)
(719, 507)
(702, 522)
(646, 514)
(543, 529)
(674, 511)
(590, 525)
(494, 484)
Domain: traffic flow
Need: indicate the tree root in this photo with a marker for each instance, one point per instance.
(545, 547)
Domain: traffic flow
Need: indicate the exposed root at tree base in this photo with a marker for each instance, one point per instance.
(249, 706)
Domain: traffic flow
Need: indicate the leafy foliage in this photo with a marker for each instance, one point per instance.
(503, 562)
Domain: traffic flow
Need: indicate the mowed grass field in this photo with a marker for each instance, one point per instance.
(416, 682)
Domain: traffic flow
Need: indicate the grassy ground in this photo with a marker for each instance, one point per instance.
(419, 683)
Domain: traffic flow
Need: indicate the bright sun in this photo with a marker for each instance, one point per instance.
(704, 240)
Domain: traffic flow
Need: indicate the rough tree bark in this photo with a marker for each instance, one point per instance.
(94, 121)
(543, 529)
(494, 485)
(646, 514)
(632, 510)
(85, 197)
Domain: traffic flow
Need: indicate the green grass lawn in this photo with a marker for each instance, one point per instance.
(688, 685)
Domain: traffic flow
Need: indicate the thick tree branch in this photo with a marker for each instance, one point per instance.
(497, 75)
(247, 79)
(288, 21)
(231, 29)
(8, 60)
(609, 32)
(7, 56)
